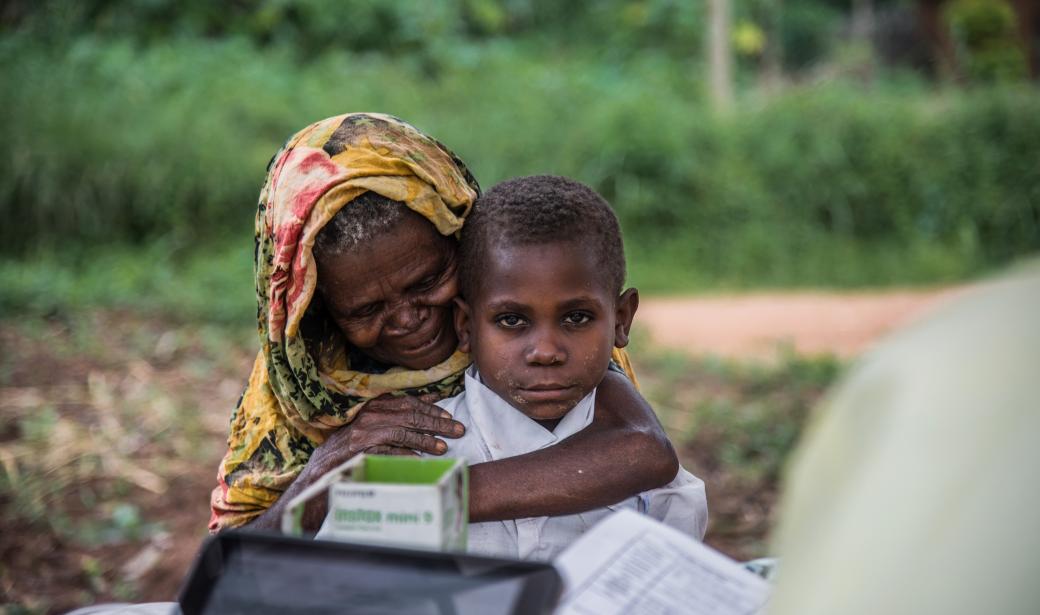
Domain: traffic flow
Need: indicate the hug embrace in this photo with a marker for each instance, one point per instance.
(402, 312)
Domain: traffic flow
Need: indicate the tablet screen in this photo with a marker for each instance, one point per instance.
(260, 573)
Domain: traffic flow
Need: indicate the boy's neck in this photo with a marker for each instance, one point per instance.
(549, 424)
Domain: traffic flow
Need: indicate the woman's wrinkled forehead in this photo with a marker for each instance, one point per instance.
(354, 229)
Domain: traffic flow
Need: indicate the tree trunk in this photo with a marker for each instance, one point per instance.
(940, 44)
(720, 63)
(773, 54)
(1028, 24)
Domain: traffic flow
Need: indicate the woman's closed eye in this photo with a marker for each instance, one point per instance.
(510, 321)
(366, 311)
(426, 284)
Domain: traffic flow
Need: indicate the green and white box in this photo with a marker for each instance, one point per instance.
(388, 500)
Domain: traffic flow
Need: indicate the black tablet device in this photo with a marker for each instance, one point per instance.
(258, 573)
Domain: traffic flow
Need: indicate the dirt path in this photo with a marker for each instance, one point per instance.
(753, 326)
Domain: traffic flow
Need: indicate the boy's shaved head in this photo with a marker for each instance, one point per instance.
(541, 209)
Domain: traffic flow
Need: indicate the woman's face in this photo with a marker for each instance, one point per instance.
(392, 297)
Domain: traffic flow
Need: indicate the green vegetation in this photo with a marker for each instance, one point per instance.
(111, 143)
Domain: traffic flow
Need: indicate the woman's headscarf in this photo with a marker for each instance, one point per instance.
(302, 387)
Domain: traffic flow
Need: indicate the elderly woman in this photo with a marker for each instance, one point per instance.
(355, 279)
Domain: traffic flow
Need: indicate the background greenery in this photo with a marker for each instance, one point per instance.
(135, 134)
(143, 128)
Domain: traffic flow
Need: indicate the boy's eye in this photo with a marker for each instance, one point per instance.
(577, 318)
(509, 321)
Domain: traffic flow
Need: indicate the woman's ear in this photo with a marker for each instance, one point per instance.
(625, 311)
(462, 321)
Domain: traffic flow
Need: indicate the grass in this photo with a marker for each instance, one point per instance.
(209, 282)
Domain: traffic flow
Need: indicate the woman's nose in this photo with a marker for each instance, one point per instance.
(546, 351)
(405, 318)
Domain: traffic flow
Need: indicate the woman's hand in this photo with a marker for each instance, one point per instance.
(385, 426)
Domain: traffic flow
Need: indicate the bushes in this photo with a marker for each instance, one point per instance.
(109, 142)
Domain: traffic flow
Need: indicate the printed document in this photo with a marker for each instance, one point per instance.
(631, 564)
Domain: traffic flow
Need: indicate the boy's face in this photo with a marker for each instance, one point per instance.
(541, 325)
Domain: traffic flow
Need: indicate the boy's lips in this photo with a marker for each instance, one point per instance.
(546, 392)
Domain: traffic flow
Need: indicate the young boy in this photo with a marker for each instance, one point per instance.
(541, 267)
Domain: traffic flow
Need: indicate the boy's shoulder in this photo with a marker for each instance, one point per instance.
(454, 403)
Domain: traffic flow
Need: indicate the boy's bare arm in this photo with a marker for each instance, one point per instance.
(623, 452)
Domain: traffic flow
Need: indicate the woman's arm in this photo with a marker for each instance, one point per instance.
(623, 452)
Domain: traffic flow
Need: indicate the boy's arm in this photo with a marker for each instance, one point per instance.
(623, 452)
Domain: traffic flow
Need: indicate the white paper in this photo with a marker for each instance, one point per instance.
(635, 565)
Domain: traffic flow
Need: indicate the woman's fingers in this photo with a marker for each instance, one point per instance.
(392, 450)
(431, 398)
(406, 438)
(389, 425)
(414, 413)
(430, 421)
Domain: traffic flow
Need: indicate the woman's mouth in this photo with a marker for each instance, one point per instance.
(425, 344)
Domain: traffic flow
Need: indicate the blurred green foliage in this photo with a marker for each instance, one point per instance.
(985, 33)
(150, 122)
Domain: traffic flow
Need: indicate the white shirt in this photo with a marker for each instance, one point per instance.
(496, 430)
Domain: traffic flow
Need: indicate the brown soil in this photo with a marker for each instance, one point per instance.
(146, 403)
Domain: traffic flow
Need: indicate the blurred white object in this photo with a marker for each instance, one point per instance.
(917, 488)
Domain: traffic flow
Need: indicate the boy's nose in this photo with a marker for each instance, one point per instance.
(545, 351)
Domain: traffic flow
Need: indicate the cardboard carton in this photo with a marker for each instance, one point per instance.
(396, 501)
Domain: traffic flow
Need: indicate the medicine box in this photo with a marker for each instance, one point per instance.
(391, 500)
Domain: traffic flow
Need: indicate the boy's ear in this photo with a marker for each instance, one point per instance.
(627, 304)
(462, 322)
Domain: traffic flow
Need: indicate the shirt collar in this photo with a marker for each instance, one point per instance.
(509, 432)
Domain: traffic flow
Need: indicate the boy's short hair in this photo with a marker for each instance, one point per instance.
(541, 209)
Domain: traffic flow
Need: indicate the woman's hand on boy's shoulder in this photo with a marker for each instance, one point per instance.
(388, 425)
